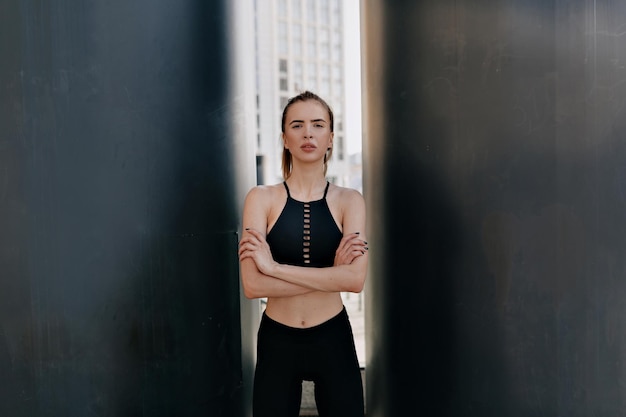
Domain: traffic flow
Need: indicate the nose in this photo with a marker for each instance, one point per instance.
(308, 133)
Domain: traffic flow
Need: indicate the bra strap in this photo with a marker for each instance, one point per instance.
(326, 189)
(287, 188)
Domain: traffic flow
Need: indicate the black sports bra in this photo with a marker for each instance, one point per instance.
(305, 234)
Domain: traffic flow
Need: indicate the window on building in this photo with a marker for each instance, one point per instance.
(311, 47)
(324, 87)
(325, 80)
(283, 48)
(324, 35)
(311, 73)
(324, 51)
(339, 119)
(337, 88)
(339, 147)
(284, 85)
(336, 72)
(296, 48)
(324, 12)
(335, 10)
(296, 39)
(282, 65)
(324, 43)
(311, 14)
(311, 33)
(337, 81)
(336, 49)
(298, 75)
(296, 9)
(311, 41)
(282, 8)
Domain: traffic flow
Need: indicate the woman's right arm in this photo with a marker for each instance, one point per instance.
(256, 284)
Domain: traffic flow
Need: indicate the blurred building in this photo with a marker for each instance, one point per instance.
(304, 45)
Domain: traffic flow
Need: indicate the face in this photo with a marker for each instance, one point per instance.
(307, 130)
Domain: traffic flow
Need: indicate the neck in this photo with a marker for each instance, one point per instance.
(307, 173)
(307, 185)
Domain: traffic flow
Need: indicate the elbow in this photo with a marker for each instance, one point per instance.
(356, 276)
(248, 281)
(249, 294)
(356, 284)
(357, 287)
(248, 291)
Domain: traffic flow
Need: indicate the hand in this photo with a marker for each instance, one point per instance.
(254, 246)
(350, 248)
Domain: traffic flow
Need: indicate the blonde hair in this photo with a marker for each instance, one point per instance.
(287, 162)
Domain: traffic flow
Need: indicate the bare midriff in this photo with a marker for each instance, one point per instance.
(305, 310)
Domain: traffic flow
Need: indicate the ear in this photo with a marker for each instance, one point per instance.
(332, 136)
(284, 141)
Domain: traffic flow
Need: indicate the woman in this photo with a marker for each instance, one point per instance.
(304, 244)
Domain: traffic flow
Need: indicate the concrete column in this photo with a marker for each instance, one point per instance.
(495, 180)
(123, 164)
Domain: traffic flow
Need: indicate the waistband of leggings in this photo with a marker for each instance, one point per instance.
(337, 320)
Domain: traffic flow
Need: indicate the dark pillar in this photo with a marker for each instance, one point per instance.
(120, 133)
(496, 182)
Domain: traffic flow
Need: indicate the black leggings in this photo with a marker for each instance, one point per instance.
(323, 354)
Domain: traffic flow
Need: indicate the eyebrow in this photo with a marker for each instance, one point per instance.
(302, 121)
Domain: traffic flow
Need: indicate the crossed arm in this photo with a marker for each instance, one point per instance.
(263, 277)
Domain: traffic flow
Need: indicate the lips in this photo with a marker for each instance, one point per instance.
(308, 147)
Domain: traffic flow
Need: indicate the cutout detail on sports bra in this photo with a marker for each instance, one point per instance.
(306, 232)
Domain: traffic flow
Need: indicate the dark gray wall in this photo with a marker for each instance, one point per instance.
(496, 181)
(119, 209)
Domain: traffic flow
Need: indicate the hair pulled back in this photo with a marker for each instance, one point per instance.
(287, 163)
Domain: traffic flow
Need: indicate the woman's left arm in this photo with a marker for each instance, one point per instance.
(338, 278)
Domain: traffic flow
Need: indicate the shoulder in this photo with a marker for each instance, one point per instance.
(262, 193)
(347, 198)
(261, 201)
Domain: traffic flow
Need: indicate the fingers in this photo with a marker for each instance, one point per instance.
(245, 254)
(252, 237)
(352, 241)
(252, 244)
(350, 248)
(255, 233)
(348, 258)
(247, 247)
